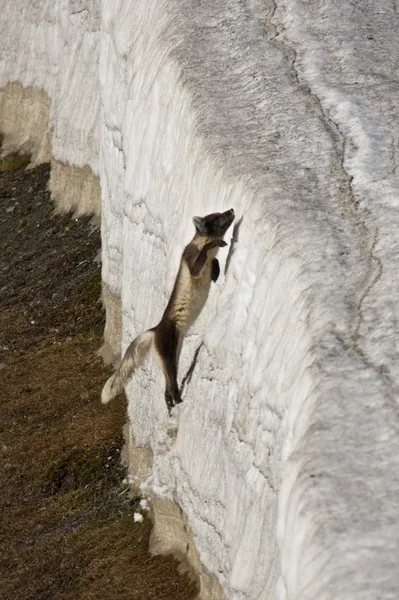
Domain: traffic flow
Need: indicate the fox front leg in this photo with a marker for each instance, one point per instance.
(199, 263)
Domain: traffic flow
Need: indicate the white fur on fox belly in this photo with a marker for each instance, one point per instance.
(192, 295)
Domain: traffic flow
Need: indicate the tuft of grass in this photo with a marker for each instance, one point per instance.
(91, 291)
(14, 162)
(98, 466)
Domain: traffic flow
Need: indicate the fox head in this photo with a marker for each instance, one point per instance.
(214, 225)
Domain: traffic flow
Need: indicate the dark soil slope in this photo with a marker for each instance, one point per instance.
(67, 529)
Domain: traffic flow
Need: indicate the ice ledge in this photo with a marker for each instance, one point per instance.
(25, 127)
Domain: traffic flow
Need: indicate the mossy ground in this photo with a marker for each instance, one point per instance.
(67, 530)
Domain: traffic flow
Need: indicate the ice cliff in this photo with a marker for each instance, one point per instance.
(284, 460)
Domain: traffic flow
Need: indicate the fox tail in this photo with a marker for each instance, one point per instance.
(134, 356)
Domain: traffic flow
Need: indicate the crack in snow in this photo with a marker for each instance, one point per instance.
(265, 475)
(366, 235)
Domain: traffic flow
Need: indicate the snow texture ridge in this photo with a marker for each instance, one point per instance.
(284, 455)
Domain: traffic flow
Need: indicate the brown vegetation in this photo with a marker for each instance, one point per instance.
(67, 527)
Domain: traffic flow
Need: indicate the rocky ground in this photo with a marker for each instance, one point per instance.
(67, 528)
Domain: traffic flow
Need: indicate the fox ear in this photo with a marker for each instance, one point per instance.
(199, 223)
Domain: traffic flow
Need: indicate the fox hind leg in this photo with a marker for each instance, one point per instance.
(172, 393)
(168, 346)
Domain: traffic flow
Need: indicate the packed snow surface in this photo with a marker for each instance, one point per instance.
(285, 453)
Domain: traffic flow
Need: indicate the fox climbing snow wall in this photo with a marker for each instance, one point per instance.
(284, 457)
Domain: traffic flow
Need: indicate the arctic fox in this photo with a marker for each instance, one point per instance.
(198, 267)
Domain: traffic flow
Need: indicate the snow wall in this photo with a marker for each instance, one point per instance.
(280, 476)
